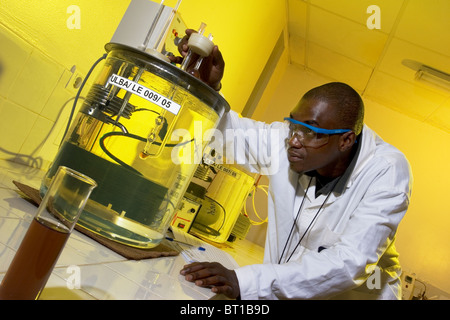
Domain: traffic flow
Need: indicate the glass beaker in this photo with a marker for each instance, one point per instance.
(140, 135)
(47, 235)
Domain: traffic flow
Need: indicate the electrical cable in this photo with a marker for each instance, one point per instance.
(209, 230)
(145, 109)
(254, 207)
(421, 295)
(223, 209)
(79, 92)
(253, 192)
(105, 150)
(133, 136)
(256, 186)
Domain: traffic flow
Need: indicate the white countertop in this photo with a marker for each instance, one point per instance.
(102, 273)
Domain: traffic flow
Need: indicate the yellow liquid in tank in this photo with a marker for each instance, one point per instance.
(164, 182)
(137, 196)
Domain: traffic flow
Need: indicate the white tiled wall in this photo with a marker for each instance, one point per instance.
(36, 96)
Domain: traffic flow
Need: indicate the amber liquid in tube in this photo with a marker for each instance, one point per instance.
(39, 251)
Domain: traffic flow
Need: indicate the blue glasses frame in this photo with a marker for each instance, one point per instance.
(318, 130)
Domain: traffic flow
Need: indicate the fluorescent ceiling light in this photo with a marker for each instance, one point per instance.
(429, 75)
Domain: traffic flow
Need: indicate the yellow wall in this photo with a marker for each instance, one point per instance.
(246, 32)
(423, 237)
(38, 50)
(43, 24)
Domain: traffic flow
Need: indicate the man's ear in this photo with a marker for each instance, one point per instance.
(347, 140)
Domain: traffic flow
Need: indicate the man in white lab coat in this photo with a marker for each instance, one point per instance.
(336, 198)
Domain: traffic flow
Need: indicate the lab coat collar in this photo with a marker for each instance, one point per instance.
(343, 180)
(365, 151)
(368, 145)
(338, 184)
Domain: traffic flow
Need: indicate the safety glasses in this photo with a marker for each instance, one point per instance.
(310, 136)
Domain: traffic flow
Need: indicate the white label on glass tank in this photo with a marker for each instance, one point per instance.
(145, 93)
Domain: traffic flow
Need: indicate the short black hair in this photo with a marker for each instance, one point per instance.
(347, 102)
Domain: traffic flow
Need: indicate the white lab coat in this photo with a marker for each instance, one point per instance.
(357, 227)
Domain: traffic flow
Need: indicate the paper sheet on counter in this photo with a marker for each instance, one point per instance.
(190, 251)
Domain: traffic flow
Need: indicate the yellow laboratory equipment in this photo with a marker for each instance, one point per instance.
(134, 133)
(214, 200)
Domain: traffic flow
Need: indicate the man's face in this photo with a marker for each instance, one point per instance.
(324, 158)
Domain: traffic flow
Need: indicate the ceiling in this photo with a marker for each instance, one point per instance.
(333, 39)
